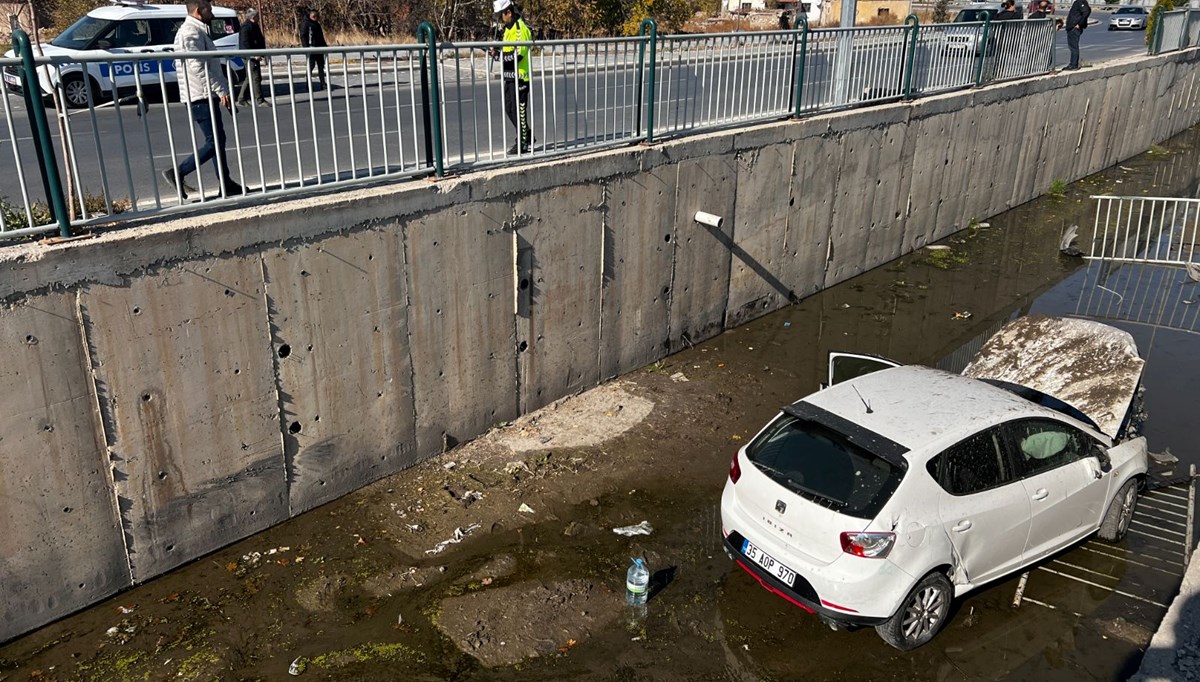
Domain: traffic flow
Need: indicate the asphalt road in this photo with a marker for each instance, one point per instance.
(370, 121)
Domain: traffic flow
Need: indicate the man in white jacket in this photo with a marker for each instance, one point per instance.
(203, 87)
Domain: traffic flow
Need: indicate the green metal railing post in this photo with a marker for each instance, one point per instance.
(983, 49)
(653, 26)
(801, 29)
(47, 163)
(1155, 42)
(912, 54)
(426, 33)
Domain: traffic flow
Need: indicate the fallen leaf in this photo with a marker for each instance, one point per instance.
(170, 598)
(486, 581)
(231, 566)
(284, 562)
(736, 437)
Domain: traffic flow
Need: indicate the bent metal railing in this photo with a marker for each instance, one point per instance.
(398, 111)
(1163, 231)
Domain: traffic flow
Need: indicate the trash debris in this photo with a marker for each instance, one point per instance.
(637, 582)
(459, 534)
(1193, 271)
(514, 467)
(112, 632)
(449, 465)
(984, 225)
(735, 437)
(938, 247)
(679, 378)
(643, 528)
(787, 324)
(964, 315)
(525, 509)
(470, 497)
(1128, 170)
(127, 609)
(1067, 244)
(298, 666)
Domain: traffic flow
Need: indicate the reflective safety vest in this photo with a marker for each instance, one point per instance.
(516, 56)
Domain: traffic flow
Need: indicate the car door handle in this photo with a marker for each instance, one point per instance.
(1041, 494)
(961, 526)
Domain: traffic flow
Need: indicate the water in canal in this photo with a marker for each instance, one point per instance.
(1085, 615)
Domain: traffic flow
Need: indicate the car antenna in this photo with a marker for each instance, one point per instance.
(864, 400)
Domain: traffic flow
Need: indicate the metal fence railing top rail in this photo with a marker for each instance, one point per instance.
(1156, 230)
(371, 112)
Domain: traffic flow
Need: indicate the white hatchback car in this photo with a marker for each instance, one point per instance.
(126, 26)
(877, 501)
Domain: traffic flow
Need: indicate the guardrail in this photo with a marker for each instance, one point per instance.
(1157, 230)
(1174, 30)
(397, 111)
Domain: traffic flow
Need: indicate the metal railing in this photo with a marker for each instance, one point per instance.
(1156, 296)
(1146, 230)
(397, 111)
(1174, 30)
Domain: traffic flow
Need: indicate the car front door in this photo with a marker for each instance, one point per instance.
(1062, 477)
(847, 366)
(986, 513)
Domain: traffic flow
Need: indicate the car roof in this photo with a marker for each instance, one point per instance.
(924, 409)
(117, 12)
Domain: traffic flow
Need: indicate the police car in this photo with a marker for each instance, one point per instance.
(125, 26)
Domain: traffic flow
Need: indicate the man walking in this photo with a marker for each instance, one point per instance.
(312, 35)
(204, 88)
(515, 62)
(251, 38)
(1077, 19)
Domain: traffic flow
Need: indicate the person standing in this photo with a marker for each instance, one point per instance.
(204, 88)
(312, 35)
(514, 60)
(785, 21)
(251, 38)
(1077, 19)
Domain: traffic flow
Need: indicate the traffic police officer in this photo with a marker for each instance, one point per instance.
(515, 66)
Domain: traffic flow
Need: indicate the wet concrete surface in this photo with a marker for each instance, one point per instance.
(351, 591)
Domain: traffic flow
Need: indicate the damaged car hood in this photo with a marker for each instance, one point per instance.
(1090, 366)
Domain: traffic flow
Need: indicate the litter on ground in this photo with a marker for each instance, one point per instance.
(643, 528)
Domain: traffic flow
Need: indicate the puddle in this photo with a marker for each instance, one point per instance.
(356, 596)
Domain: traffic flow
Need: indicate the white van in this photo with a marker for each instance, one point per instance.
(126, 26)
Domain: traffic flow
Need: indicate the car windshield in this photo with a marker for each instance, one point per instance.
(969, 15)
(81, 33)
(823, 466)
(1131, 10)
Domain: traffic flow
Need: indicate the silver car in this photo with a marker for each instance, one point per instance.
(1128, 19)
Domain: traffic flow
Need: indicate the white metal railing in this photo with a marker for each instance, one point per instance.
(1173, 30)
(1145, 229)
(1018, 49)
(23, 208)
(851, 66)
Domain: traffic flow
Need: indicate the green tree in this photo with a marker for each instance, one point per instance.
(1152, 21)
(670, 14)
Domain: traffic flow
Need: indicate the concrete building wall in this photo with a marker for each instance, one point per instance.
(175, 387)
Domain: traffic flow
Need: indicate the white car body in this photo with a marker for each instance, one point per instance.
(118, 29)
(1129, 19)
(1050, 484)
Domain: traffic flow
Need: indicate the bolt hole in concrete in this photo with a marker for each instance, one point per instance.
(523, 347)
(309, 348)
(284, 351)
(146, 397)
(524, 284)
(317, 418)
(31, 340)
(666, 238)
(137, 310)
(170, 548)
(294, 428)
(228, 293)
(237, 371)
(67, 510)
(162, 475)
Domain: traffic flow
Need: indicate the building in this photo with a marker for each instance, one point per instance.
(871, 11)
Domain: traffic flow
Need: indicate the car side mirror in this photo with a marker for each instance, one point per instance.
(1102, 455)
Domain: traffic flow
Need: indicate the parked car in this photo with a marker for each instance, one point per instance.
(878, 500)
(1129, 18)
(123, 27)
(970, 37)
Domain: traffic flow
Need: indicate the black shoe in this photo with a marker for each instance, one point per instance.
(522, 148)
(232, 189)
(169, 176)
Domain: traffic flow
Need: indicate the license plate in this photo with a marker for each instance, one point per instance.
(786, 575)
(11, 79)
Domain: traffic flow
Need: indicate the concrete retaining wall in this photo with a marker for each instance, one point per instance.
(169, 389)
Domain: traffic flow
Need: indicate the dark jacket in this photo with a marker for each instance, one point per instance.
(1078, 16)
(311, 34)
(1038, 14)
(1007, 15)
(251, 37)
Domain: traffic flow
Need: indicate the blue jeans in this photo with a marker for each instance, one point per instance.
(206, 122)
(1073, 46)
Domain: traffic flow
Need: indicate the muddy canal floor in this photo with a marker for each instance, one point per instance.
(533, 588)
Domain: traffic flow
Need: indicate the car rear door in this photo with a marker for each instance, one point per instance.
(1061, 475)
(986, 511)
(847, 366)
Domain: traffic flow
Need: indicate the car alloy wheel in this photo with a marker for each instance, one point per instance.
(922, 614)
(1120, 512)
(1127, 504)
(75, 91)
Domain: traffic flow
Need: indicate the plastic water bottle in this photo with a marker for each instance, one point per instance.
(637, 583)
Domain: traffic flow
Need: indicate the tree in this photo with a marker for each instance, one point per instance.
(941, 11)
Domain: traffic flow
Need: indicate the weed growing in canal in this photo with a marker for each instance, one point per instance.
(1158, 149)
(659, 367)
(946, 259)
(1058, 188)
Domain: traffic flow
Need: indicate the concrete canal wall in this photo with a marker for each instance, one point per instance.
(169, 389)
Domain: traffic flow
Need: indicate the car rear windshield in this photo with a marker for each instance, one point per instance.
(824, 467)
(1131, 10)
(81, 33)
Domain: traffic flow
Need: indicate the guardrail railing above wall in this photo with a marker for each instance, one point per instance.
(397, 111)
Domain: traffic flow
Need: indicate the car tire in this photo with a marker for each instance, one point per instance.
(1120, 511)
(921, 615)
(1111, 28)
(75, 89)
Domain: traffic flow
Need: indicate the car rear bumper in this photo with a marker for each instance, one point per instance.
(802, 594)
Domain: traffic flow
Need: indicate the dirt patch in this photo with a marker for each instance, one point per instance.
(506, 625)
(586, 419)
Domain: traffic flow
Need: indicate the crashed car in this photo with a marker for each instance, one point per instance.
(879, 500)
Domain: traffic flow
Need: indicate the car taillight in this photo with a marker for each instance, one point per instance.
(868, 545)
(735, 469)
